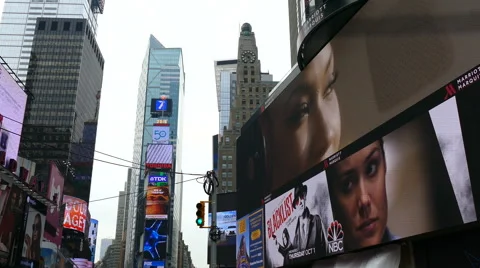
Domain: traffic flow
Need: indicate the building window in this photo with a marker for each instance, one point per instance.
(41, 26)
(224, 175)
(230, 183)
(251, 101)
(245, 80)
(66, 26)
(244, 116)
(224, 183)
(252, 72)
(229, 174)
(224, 157)
(54, 25)
(230, 166)
(227, 139)
(224, 166)
(79, 26)
(250, 89)
(253, 80)
(230, 157)
(244, 102)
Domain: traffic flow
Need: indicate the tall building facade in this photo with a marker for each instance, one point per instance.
(104, 245)
(117, 243)
(162, 75)
(65, 75)
(251, 89)
(293, 27)
(19, 19)
(225, 83)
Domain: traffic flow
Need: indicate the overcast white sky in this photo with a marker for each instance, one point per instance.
(206, 30)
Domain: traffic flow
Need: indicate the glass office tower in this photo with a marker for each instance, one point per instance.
(19, 18)
(162, 75)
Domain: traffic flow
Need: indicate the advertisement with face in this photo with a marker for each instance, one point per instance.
(75, 213)
(53, 230)
(365, 76)
(34, 231)
(296, 223)
(12, 110)
(227, 222)
(155, 245)
(12, 217)
(158, 196)
(250, 245)
(412, 181)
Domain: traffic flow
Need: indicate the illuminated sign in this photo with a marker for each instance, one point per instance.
(161, 134)
(159, 156)
(158, 177)
(161, 106)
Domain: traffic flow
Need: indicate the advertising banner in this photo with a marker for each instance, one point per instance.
(408, 177)
(53, 228)
(75, 213)
(158, 196)
(92, 237)
(159, 156)
(227, 222)
(364, 77)
(153, 264)
(12, 110)
(161, 106)
(155, 244)
(34, 230)
(12, 218)
(249, 246)
(296, 223)
(161, 134)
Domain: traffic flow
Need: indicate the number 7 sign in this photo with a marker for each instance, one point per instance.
(161, 105)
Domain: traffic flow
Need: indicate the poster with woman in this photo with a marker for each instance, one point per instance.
(33, 235)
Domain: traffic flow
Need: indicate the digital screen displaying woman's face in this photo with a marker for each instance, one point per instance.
(36, 228)
(359, 196)
(305, 124)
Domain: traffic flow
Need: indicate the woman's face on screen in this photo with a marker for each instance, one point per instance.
(359, 196)
(305, 123)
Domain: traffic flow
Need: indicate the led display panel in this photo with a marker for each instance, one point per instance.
(408, 177)
(75, 216)
(12, 110)
(227, 222)
(161, 134)
(53, 228)
(158, 196)
(249, 244)
(155, 243)
(382, 62)
(35, 224)
(159, 156)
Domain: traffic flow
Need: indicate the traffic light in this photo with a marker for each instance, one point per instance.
(200, 214)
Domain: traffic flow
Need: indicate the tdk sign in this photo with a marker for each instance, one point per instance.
(158, 179)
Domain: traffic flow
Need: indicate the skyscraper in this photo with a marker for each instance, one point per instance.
(293, 27)
(19, 18)
(65, 75)
(226, 84)
(251, 89)
(162, 77)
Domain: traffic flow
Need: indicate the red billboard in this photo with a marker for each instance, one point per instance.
(53, 229)
(75, 213)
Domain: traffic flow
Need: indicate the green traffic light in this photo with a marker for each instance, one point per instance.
(199, 221)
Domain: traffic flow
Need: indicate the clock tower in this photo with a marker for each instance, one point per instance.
(251, 90)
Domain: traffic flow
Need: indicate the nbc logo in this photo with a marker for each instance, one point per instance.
(335, 238)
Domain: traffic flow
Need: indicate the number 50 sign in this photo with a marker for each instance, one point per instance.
(161, 134)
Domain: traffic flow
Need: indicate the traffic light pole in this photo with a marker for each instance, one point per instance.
(213, 245)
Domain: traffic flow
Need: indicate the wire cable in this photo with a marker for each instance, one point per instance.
(103, 161)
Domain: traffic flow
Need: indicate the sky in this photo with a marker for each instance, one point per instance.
(206, 30)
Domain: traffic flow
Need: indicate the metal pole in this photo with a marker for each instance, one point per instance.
(213, 245)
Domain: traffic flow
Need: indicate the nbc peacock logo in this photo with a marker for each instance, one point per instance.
(335, 238)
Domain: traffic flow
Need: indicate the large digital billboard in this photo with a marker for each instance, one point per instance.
(153, 264)
(75, 213)
(227, 222)
(53, 228)
(12, 110)
(159, 156)
(13, 202)
(250, 245)
(158, 196)
(155, 244)
(161, 133)
(408, 177)
(382, 62)
(35, 225)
